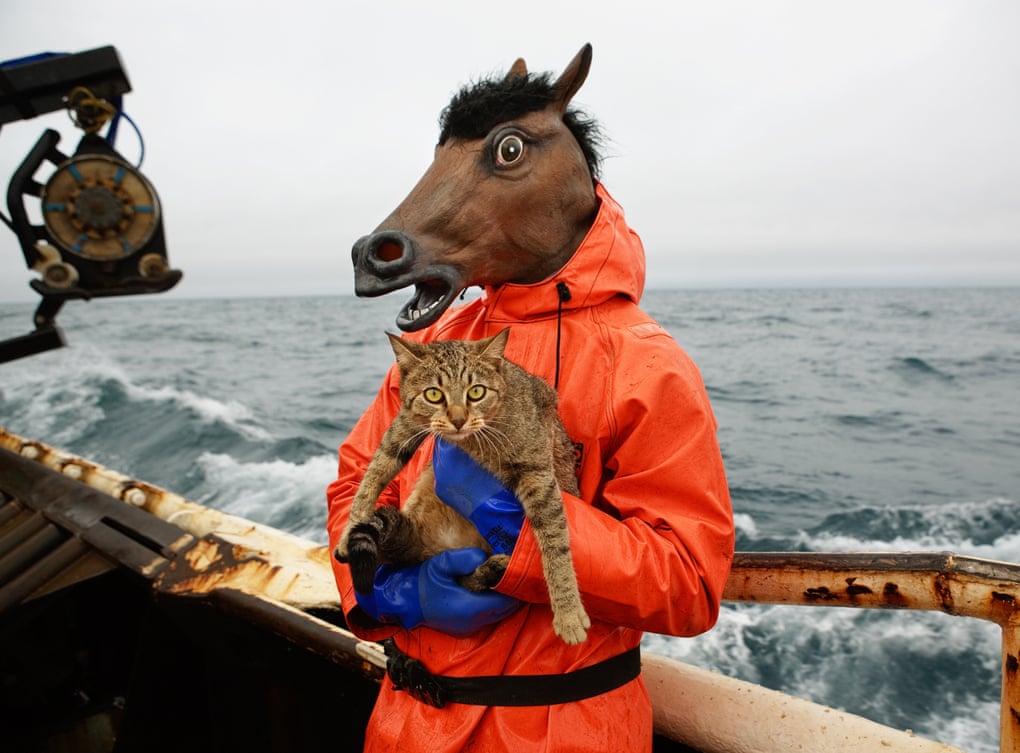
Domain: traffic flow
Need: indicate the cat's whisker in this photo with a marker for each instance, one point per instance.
(500, 444)
(483, 437)
(497, 442)
(413, 440)
(496, 438)
(496, 423)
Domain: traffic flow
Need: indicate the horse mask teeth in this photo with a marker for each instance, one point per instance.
(427, 303)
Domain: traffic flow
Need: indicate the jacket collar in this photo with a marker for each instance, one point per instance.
(609, 262)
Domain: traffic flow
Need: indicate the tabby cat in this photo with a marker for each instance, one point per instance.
(467, 393)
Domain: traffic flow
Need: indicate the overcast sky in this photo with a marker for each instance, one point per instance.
(755, 143)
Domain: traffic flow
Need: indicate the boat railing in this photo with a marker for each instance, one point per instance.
(945, 582)
(225, 559)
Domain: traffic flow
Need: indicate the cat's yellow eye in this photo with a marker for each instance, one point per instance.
(477, 392)
(433, 394)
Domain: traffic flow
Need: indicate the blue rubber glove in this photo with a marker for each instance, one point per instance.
(429, 594)
(479, 496)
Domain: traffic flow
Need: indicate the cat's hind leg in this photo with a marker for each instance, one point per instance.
(543, 505)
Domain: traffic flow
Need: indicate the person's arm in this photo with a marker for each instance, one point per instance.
(654, 549)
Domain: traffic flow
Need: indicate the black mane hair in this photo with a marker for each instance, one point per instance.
(478, 107)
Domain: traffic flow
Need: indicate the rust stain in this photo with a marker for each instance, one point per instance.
(821, 593)
(1012, 664)
(944, 593)
(252, 576)
(853, 589)
(203, 555)
(891, 595)
(320, 555)
(1003, 608)
(211, 564)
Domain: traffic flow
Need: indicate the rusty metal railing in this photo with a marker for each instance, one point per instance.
(945, 582)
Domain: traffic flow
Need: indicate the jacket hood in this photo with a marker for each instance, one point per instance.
(609, 262)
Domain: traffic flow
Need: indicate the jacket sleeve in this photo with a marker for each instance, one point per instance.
(652, 541)
(354, 456)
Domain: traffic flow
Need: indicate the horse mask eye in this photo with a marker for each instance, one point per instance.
(509, 150)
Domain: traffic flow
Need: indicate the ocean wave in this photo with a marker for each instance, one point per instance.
(745, 393)
(885, 421)
(231, 413)
(911, 368)
(988, 528)
(973, 727)
(72, 394)
(57, 396)
(775, 320)
(908, 310)
(1004, 549)
(289, 496)
(909, 670)
(745, 525)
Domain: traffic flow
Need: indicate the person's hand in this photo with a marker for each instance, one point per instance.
(479, 496)
(429, 594)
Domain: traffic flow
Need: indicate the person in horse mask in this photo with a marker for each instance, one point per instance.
(512, 203)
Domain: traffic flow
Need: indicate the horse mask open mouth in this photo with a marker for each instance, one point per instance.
(431, 298)
(390, 260)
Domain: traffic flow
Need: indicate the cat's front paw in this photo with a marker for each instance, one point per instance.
(340, 551)
(487, 574)
(572, 627)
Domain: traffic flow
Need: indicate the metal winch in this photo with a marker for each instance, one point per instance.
(101, 228)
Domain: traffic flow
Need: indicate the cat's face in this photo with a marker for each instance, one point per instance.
(456, 404)
(452, 388)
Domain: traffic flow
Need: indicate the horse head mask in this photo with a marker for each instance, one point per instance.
(508, 197)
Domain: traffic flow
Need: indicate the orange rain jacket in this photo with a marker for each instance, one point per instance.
(651, 534)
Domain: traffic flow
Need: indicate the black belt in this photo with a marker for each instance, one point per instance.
(410, 674)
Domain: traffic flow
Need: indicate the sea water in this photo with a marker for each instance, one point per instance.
(868, 420)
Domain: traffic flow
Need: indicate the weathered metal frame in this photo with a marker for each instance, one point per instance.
(944, 582)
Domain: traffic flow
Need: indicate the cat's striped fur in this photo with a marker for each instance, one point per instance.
(466, 392)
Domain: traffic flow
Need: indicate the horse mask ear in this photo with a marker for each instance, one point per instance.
(518, 70)
(573, 76)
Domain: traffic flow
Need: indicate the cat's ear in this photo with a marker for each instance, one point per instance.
(407, 352)
(494, 346)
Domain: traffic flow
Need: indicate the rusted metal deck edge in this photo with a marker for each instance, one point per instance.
(59, 530)
(285, 583)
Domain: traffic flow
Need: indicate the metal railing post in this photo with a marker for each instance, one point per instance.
(1009, 713)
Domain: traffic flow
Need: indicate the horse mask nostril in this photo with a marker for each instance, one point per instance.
(389, 251)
